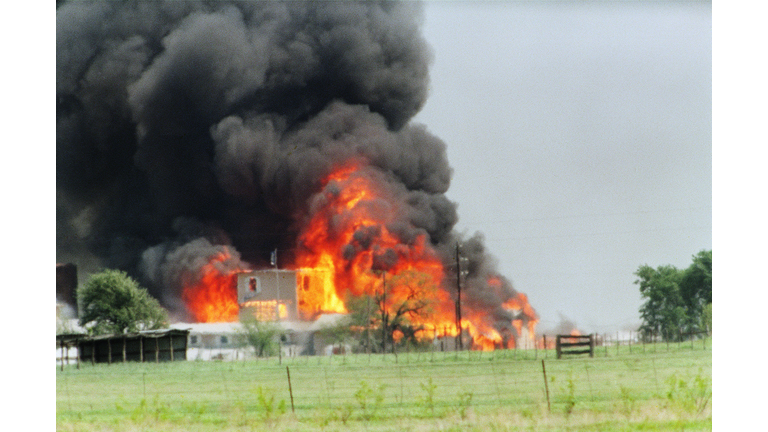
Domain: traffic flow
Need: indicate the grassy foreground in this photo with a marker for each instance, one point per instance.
(655, 388)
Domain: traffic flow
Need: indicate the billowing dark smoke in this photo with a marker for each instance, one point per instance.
(187, 127)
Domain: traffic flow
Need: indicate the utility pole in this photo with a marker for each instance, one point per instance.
(458, 297)
(273, 259)
(368, 326)
(384, 313)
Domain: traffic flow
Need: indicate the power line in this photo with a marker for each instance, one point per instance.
(593, 215)
(699, 228)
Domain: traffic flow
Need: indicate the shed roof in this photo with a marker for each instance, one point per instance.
(144, 333)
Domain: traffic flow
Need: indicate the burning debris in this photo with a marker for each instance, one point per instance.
(194, 138)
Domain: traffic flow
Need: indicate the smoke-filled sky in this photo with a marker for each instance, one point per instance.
(192, 133)
(575, 138)
(580, 139)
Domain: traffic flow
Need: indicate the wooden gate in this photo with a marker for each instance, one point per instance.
(565, 344)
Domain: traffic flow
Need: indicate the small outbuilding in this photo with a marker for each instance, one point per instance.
(143, 346)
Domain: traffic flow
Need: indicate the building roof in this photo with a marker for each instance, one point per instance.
(144, 333)
(233, 327)
(208, 328)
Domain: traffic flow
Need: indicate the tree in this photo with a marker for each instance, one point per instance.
(413, 295)
(696, 290)
(677, 300)
(363, 321)
(340, 332)
(112, 302)
(663, 312)
(398, 305)
(261, 335)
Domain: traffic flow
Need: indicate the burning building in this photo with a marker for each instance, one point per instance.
(269, 295)
(194, 138)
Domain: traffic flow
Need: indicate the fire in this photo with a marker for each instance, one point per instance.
(348, 242)
(213, 298)
(265, 310)
(317, 291)
(351, 244)
(520, 303)
(485, 338)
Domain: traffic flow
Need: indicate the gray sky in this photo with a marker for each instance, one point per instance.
(580, 139)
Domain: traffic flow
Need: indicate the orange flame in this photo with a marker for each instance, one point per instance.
(348, 242)
(264, 310)
(484, 338)
(213, 298)
(317, 290)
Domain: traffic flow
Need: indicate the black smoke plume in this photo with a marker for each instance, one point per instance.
(186, 127)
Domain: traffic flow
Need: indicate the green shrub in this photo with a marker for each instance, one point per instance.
(369, 399)
(266, 399)
(465, 400)
(627, 401)
(691, 398)
(429, 398)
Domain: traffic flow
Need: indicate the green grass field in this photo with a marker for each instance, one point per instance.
(656, 387)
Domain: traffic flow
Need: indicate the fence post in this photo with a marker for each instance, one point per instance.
(290, 389)
(589, 381)
(546, 386)
(495, 380)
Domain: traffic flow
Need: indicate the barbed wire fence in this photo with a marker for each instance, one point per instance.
(421, 384)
